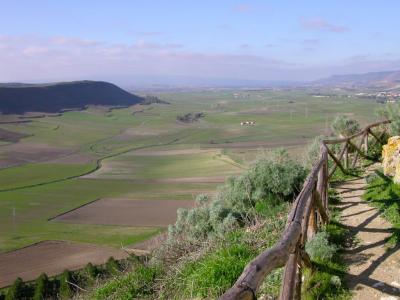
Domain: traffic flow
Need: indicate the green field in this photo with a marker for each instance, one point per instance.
(133, 152)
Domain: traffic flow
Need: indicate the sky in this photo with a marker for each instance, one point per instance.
(157, 41)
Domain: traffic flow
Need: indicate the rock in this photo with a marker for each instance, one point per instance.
(396, 284)
(378, 284)
(391, 155)
(396, 178)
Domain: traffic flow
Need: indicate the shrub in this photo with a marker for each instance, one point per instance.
(277, 176)
(65, 291)
(41, 288)
(392, 112)
(313, 152)
(344, 126)
(112, 266)
(16, 291)
(319, 248)
(91, 271)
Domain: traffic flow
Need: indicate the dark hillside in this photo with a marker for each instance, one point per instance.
(50, 98)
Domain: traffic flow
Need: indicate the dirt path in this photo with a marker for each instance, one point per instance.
(374, 270)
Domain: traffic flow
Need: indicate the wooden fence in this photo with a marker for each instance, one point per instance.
(309, 211)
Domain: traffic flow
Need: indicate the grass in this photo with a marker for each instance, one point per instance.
(169, 166)
(136, 284)
(24, 213)
(214, 273)
(37, 174)
(384, 194)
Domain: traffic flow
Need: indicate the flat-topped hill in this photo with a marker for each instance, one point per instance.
(18, 98)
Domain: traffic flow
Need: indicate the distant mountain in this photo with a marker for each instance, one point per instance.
(18, 98)
(385, 80)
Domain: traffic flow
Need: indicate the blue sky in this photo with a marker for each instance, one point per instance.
(151, 40)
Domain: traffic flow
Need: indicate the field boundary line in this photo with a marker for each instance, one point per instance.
(71, 210)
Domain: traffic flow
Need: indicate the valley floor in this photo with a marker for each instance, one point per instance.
(60, 175)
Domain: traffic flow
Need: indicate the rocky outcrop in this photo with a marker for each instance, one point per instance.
(391, 158)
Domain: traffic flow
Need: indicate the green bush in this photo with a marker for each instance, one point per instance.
(344, 126)
(41, 287)
(313, 151)
(16, 291)
(277, 176)
(392, 112)
(91, 271)
(65, 291)
(112, 266)
(319, 248)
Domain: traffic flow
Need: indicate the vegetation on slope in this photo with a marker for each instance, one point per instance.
(208, 246)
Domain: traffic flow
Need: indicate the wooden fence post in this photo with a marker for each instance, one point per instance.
(299, 279)
(288, 289)
(322, 177)
(325, 184)
(312, 221)
(360, 146)
(366, 141)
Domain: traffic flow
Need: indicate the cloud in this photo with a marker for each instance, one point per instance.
(64, 41)
(32, 58)
(242, 8)
(150, 33)
(142, 44)
(244, 46)
(29, 58)
(310, 41)
(321, 24)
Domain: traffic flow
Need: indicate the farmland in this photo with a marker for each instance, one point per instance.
(76, 163)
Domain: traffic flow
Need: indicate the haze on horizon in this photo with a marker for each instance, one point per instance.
(150, 42)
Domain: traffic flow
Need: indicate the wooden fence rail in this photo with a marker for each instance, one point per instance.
(309, 211)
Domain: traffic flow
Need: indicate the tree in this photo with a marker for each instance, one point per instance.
(65, 288)
(16, 291)
(42, 284)
(344, 126)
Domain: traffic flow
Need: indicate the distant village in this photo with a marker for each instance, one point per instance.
(380, 97)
